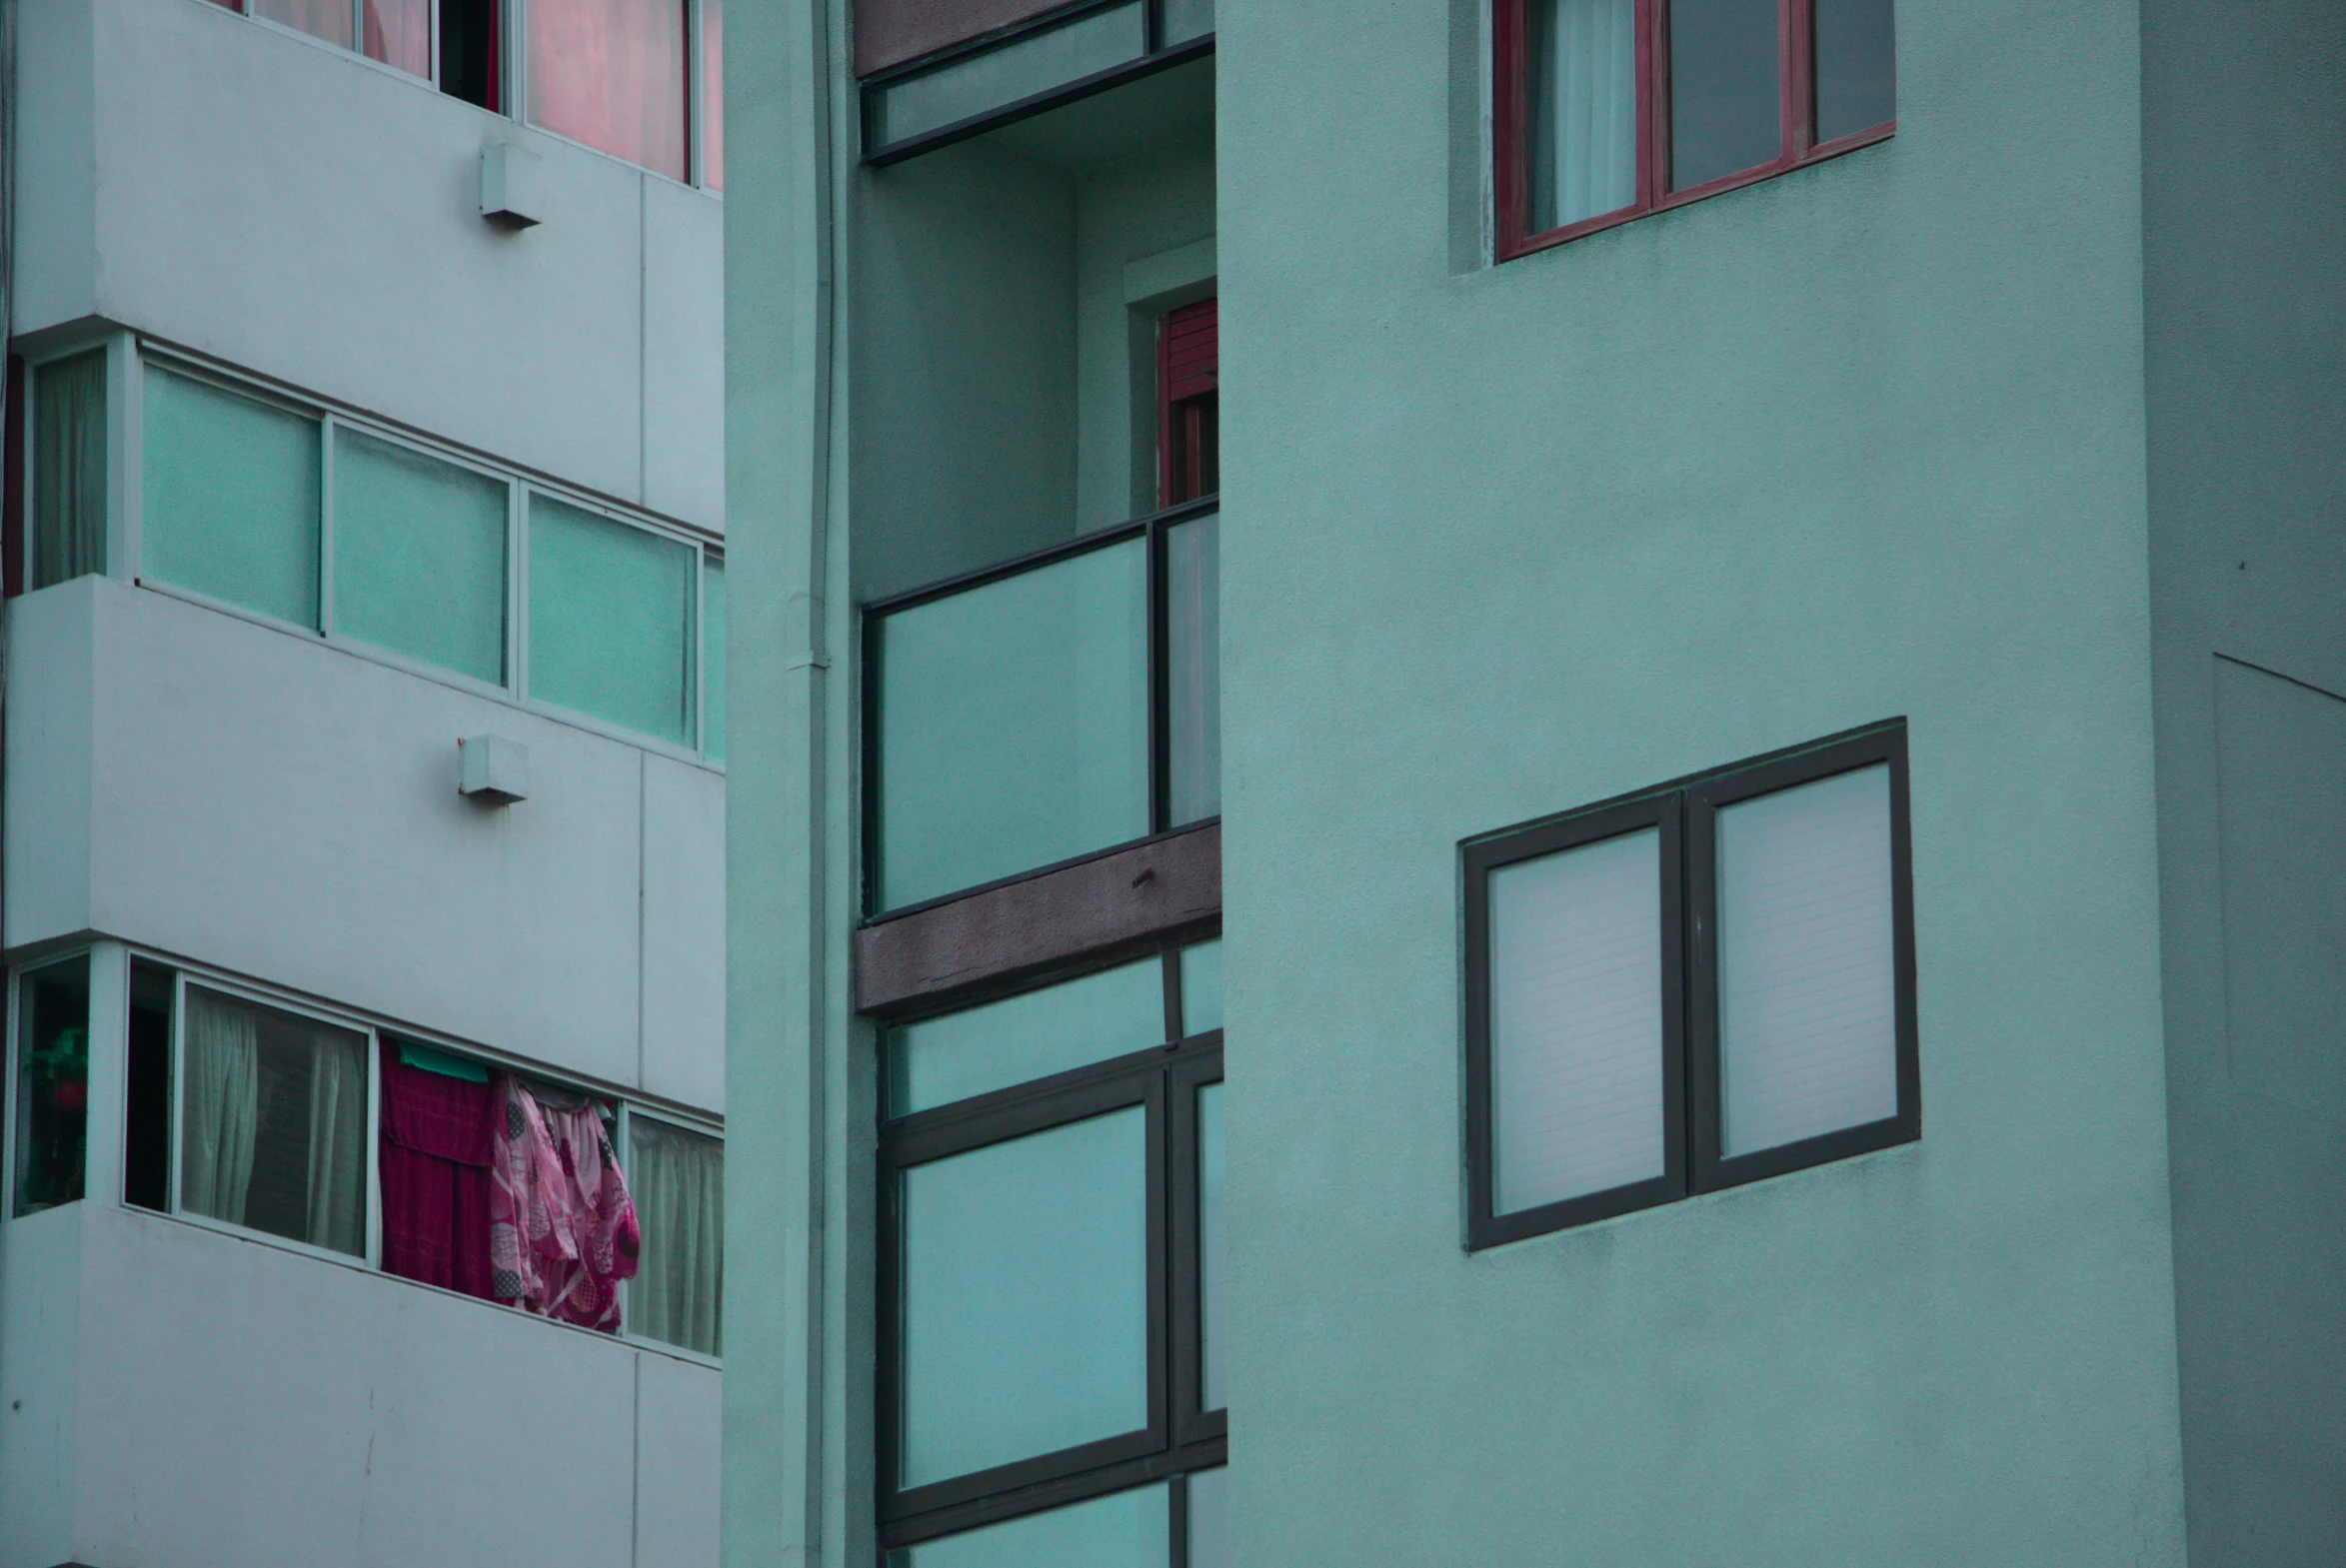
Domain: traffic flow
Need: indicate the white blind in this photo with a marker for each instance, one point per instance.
(1575, 1022)
(1807, 985)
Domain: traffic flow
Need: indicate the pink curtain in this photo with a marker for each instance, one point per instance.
(611, 74)
(439, 1136)
(326, 19)
(562, 1230)
(399, 32)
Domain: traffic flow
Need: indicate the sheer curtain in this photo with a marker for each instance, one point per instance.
(611, 73)
(677, 1180)
(326, 19)
(1582, 91)
(223, 1107)
(69, 468)
(338, 1143)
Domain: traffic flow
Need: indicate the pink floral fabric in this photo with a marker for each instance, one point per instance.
(562, 1229)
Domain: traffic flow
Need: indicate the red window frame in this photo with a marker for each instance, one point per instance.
(1795, 116)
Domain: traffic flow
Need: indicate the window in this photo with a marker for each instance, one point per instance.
(611, 74)
(69, 468)
(1606, 109)
(52, 1083)
(308, 519)
(1019, 719)
(1704, 986)
(396, 32)
(678, 1178)
(1188, 429)
(1051, 1274)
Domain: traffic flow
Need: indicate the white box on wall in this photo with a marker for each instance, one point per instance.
(493, 770)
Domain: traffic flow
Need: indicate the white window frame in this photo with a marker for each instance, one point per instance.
(121, 513)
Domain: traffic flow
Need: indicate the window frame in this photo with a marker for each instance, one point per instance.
(1686, 813)
(624, 1139)
(1180, 1436)
(119, 353)
(1510, 123)
(10, 1065)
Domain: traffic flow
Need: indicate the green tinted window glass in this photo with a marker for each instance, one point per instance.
(1202, 988)
(1013, 724)
(419, 555)
(1028, 1037)
(611, 621)
(69, 468)
(1121, 1530)
(1025, 1297)
(53, 1084)
(712, 659)
(231, 498)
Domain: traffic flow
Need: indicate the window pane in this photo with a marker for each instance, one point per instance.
(275, 1129)
(677, 1179)
(1121, 1530)
(419, 555)
(712, 659)
(1807, 978)
(1575, 1022)
(1183, 20)
(611, 73)
(53, 1083)
(231, 498)
(69, 468)
(145, 1161)
(611, 617)
(1013, 724)
(399, 32)
(1856, 67)
(1024, 1297)
(1209, 1519)
(1580, 92)
(1192, 591)
(992, 78)
(1202, 988)
(1724, 112)
(1212, 1249)
(1024, 1038)
(326, 19)
(712, 105)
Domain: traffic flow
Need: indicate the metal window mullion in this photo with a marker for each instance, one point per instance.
(514, 48)
(28, 499)
(516, 586)
(374, 1174)
(326, 445)
(178, 1055)
(696, 646)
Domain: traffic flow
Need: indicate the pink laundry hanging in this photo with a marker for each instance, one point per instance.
(562, 1229)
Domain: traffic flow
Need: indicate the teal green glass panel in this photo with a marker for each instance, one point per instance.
(1024, 1297)
(419, 555)
(1013, 724)
(1193, 678)
(231, 498)
(611, 621)
(1202, 988)
(712, 659)
(1213, 1249)
(53, 1084)
(1121, 1530)
(1028, 1037)
(1209, 1519)
(69, 468)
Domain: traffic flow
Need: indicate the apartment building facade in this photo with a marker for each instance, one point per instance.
(1696, 641)
(364, 784)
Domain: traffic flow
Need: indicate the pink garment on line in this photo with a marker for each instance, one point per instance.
(562, 1229)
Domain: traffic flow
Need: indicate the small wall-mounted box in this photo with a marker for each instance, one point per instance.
(493, 770)
(512, 193)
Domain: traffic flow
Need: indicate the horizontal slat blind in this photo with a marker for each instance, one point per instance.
(1192, 350)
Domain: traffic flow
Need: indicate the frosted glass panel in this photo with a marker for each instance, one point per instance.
(419, 555)
(1209, 1519)
(1582, 157)
(231, 498)
(69, 468)
(611, 621)
(1575, 1022)
(1028, 1037)
(1202, 988)
(1121, 1530)
(1807, 978)
(1212, 1249)
(995, 78)
(713, 661)
(1024, 1297)
(1013, 724)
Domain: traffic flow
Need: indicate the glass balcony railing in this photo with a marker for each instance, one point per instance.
(1044, 709)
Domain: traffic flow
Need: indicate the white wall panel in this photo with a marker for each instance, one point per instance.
(679, 1427)
(684, 353)
(56, 173)
(40, 1281)
(684, 932)
(48, 796)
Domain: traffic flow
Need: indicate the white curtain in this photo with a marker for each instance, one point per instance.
(1583, 109)
(223, 1106)
(69, 468)
(338, 1143)
(677, 1181)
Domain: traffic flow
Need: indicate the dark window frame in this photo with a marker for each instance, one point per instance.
(1153, 528)
(1687, 812)
(1510, 121)
(1180, 1436)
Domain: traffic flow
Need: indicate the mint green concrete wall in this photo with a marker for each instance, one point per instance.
(1863, 440)
(2244, 131)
